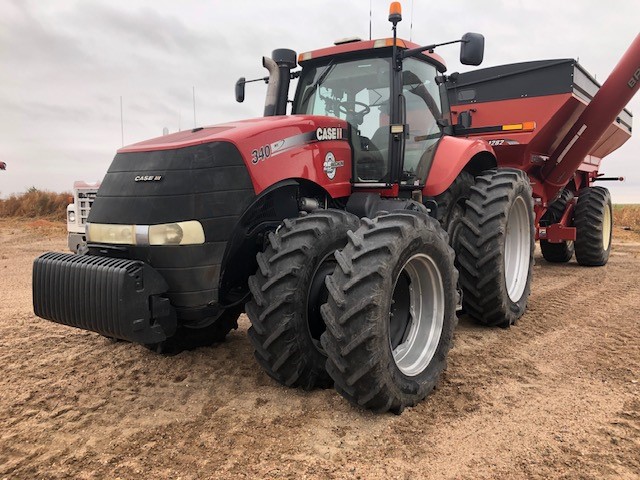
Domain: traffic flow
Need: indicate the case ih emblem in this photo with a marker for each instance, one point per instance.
(331, 165)
(147, 178)
(329, 133)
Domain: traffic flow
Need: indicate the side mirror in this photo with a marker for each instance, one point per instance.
(240, 89)
(472, 49)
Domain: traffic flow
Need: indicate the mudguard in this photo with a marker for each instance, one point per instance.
(452, 156)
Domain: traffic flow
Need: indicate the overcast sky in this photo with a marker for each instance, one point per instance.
(65, 64)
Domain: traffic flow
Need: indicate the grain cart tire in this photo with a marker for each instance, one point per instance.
(287, 292)
(593, 219)
(391, 311)
(452, 205)
(190, 337)
(563, 251)
(496, 245)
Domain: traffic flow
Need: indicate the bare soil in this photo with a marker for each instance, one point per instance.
(556, 396)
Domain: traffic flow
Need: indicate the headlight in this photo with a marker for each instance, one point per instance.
(71, 216)
(179, 233)
(106, 233)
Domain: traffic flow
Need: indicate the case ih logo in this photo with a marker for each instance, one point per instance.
(331, 165)
(147, 178)
(634, 80)
(329, 133)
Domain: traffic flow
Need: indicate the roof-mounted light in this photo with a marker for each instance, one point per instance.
(342, 41)
(395, 12)
(388, 42)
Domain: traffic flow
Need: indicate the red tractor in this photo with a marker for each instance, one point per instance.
(352, 230)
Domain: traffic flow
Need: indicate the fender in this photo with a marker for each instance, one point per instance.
(454, 155)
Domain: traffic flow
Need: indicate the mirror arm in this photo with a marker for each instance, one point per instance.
(414, 51)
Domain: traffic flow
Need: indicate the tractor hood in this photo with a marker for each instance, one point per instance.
(267, 144)
(249, 135)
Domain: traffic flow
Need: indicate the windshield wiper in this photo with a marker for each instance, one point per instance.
(316, 84)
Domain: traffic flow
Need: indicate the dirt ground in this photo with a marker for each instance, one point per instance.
(556, 396)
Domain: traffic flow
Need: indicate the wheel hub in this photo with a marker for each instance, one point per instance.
(416, 315)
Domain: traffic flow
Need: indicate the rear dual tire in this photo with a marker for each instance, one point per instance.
(495, 247)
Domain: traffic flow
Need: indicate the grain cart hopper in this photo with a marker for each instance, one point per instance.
(338, 227)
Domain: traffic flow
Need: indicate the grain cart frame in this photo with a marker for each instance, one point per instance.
(340, 226)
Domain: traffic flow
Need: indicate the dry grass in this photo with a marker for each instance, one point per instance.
(627, 216)
(36, 204)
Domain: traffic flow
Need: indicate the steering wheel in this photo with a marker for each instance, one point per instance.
(349, 108)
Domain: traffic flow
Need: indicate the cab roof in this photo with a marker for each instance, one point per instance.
(362, 45)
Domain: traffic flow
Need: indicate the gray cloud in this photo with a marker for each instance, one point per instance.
(65, 64)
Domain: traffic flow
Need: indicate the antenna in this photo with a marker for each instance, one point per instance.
(121, 122)
(370, 19)
(194, 107)
(411, 27)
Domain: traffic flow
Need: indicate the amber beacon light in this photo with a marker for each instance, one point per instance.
(395, 12)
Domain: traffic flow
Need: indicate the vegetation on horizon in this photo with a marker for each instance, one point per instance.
(43, 204)
(36, 203)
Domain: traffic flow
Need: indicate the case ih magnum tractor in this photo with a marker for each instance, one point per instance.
(352, 230)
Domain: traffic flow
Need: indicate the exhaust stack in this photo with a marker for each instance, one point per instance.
(608, 102)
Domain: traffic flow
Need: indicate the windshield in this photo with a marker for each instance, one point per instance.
(356, 91)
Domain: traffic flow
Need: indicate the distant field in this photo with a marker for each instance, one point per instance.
(52, 206)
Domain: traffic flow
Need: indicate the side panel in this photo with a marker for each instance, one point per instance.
(315, 149)
(452, 155)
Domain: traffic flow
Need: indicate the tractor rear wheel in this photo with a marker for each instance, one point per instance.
(452, 205)
(593, 218)
(496, 244)
(391, 311)
(563, 251)
(188, 338)
(287, 292)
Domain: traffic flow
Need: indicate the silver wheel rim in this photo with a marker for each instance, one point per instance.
(517, 246)
(606, 228)
(426, 311)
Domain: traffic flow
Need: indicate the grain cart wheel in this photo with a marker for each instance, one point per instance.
(190, 337)
(563, 251)
(452, 205)
(594, 225)
(496, 245)
(391, 311)
(287, 292)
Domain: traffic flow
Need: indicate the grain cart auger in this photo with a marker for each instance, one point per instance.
(338, 227)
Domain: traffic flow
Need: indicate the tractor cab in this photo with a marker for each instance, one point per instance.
(358, 86)
(390, 92)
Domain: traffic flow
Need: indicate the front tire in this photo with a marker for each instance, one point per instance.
(189, 338)
(287, 291)
(391, 311)
(496, 246)
(593, 219)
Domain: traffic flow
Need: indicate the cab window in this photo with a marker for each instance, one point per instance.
(423, 110)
